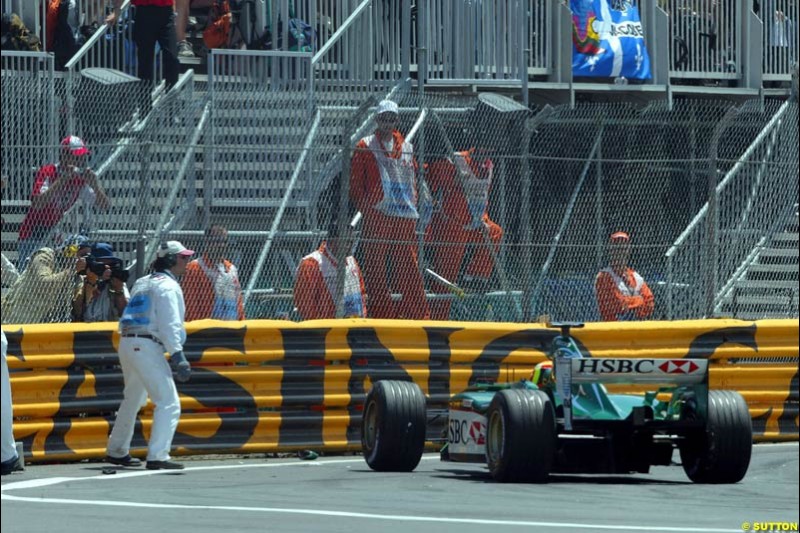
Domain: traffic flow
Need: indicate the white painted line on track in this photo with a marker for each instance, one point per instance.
(37, 483)
(124, 474)
(396, 518)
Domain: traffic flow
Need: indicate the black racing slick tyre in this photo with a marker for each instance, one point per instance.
(520, 436)
(393, 426)
(721, 452)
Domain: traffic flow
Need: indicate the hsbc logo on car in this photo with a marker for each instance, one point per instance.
(679, 366)
(467, 432)
(637, 366)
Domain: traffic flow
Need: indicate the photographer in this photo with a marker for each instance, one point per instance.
(104, 294)
(57, 187)
(46, 291)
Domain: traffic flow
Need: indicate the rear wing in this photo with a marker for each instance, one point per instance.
(657, 371)
(575, 371)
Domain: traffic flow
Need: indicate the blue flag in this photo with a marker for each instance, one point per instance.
(608, 40)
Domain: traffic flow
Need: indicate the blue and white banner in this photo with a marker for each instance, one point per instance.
(608, 40)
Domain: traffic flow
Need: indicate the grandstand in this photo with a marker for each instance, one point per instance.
(699, 163)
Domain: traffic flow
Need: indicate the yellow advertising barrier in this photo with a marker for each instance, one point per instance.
(274, 386)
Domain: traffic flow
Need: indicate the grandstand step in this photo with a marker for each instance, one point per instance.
(779, 252)
(766, 284)
(786, 236)
(256, 203)
(774, 269)
(762, 300)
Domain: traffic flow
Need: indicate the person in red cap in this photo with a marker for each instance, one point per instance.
(56, 188)
(383, 187)
(621, 292)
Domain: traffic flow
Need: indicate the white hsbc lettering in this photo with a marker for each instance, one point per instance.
(628, 29)
(617, 366)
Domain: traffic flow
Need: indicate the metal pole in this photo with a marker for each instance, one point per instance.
(420, 145)
(344, 198)
(525, 221)
(70, 103)
(422, 46)
(525, 51)
(405, 37)
(209, 147)
(712, 220)
(598, 214)
(144, 195)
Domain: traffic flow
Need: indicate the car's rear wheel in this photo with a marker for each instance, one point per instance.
(520, 436)
(393, 426)
(721, 452)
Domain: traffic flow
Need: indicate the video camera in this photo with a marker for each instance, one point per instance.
(99, 268)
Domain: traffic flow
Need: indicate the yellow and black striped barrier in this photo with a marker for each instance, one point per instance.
(271, 386)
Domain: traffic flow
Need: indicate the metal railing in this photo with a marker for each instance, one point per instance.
(109, 47)
(740, 214)
(30, 118)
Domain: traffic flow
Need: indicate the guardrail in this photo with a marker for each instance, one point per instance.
(273, 386)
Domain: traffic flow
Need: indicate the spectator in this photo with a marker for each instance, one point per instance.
(182, 8)
(315, 283)
(152, 324)
(154, 21)
(103, 295)
(463, 186)
(211, 283)
(56, 188)
(383, 187)
(782, 41)
(16, 36)
(621, 292)
(45, 292)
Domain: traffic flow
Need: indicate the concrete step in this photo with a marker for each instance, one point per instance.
(778, 252)
(766, 284)
(774, 269)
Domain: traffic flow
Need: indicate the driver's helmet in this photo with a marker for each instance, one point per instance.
(543, 374)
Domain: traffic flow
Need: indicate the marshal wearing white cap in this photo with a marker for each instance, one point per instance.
(151, 325)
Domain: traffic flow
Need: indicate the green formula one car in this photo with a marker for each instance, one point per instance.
(563, 420)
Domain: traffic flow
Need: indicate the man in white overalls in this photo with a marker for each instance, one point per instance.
(383, 187)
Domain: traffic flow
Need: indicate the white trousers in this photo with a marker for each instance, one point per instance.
(146, 372)
(9, 451)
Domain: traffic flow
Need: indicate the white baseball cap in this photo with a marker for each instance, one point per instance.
(173, 247)
(75, 145)
(387, 106)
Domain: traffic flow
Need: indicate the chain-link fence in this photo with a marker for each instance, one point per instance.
(487, 211)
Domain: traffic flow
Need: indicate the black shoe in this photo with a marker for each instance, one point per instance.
(6, 467)
(164, 465)
(123, 461)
